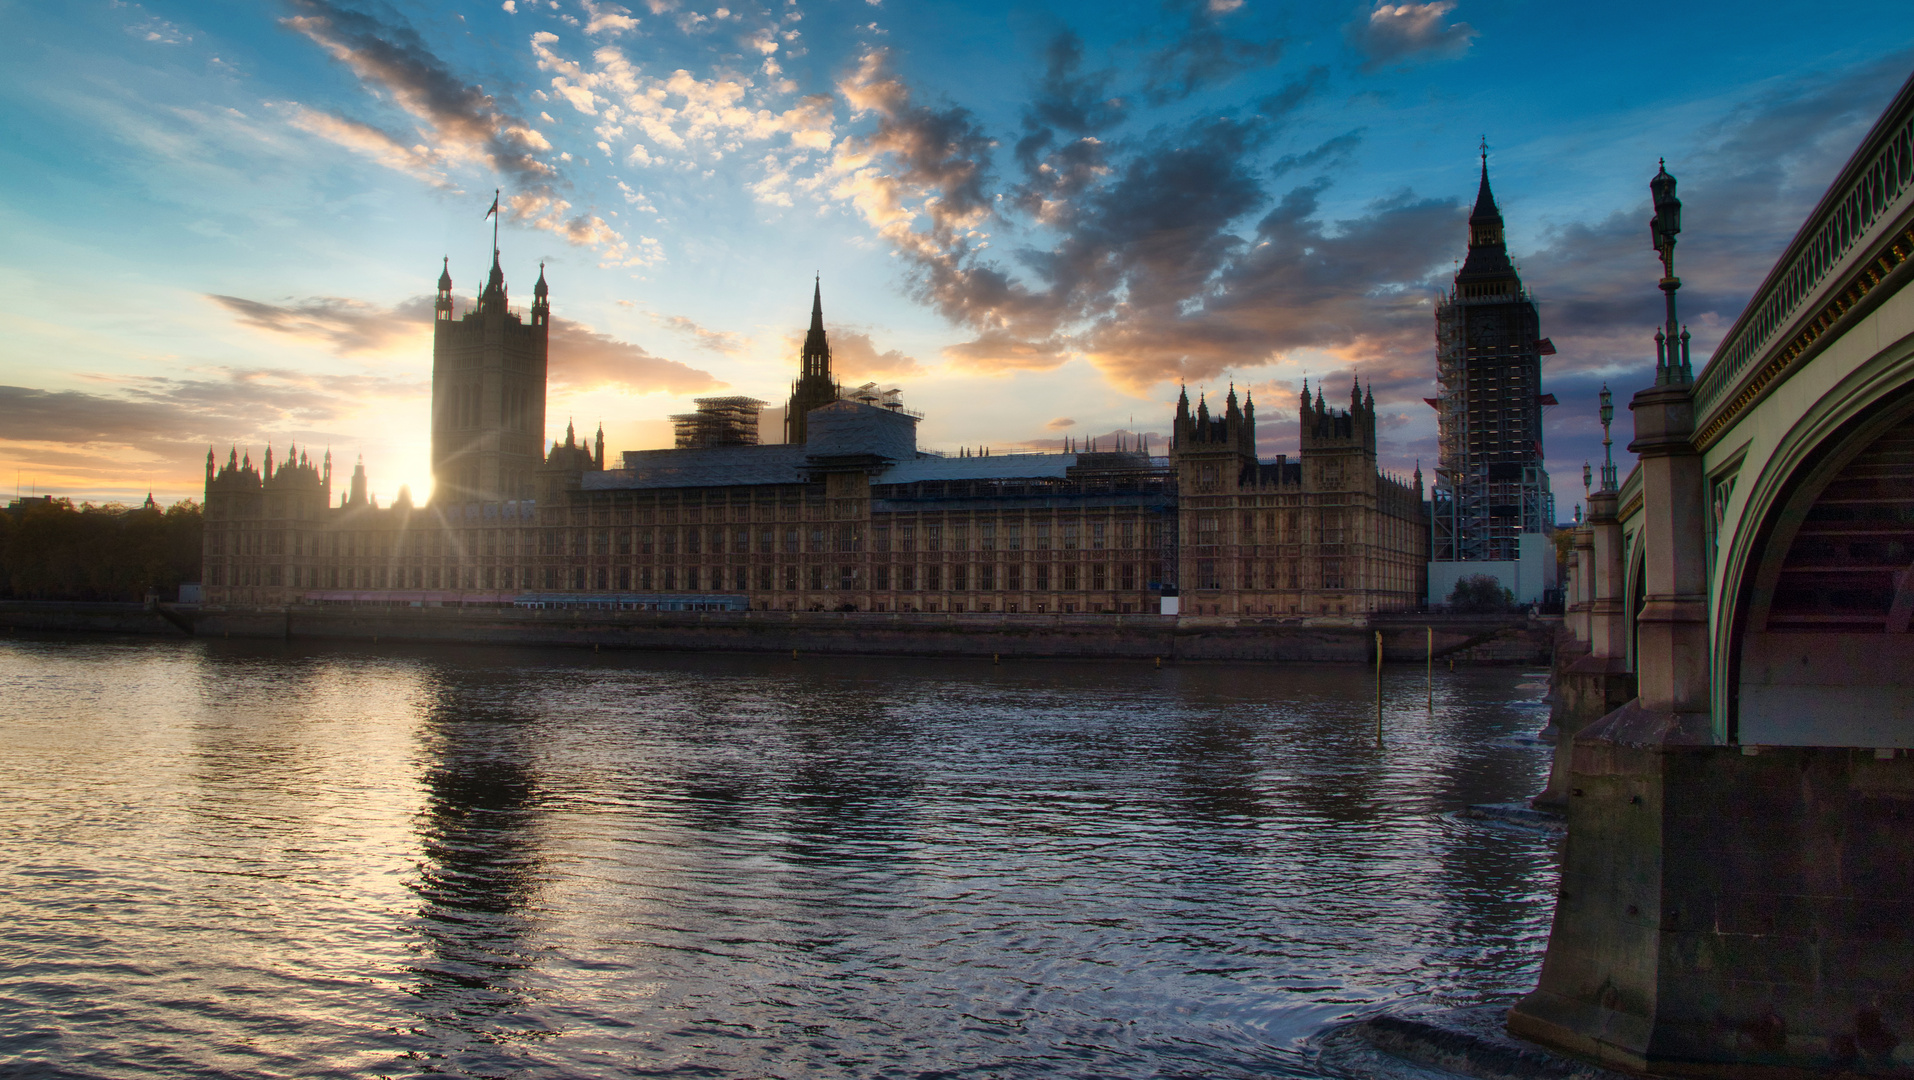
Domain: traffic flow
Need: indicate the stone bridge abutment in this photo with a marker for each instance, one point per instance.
(1737, 893)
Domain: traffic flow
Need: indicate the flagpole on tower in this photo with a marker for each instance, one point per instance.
(493, 214)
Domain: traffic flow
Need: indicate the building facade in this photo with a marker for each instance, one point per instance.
(1326, 534)
(488, 393)
(850, 515)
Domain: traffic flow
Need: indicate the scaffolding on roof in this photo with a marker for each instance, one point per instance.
(719, 421)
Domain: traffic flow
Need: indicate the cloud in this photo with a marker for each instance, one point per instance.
(999, 350)
(458, 123)
(583, 358)
(679, 115)
(1078, 103)
(1395, 32)
(1141, 232)
(1748, 181)
(541, 209)
(918, 179)
(1203, 54)
(609, 18)
(723, 341)
(159, 32)
(391, 58)
(1330, 154)
(1159, 272)
(155, 430)
(73, 418)
(854, 356)
(392, 151)
(1060, 423)
(342, 325)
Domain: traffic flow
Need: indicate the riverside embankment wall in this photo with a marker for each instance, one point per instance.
(1133, 637)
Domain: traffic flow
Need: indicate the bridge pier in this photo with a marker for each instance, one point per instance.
(1731, 914)
(1598, 681)
(1724, 910)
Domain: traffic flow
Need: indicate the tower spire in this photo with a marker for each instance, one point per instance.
(814, 386)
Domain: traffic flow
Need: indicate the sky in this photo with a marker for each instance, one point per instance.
(223, 219)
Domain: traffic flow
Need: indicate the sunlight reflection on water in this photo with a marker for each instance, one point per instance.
(228, 858)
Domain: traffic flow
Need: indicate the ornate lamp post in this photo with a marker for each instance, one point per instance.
(1670, 368)
(1608, 417)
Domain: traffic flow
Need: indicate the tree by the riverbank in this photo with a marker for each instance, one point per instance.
(53, 550)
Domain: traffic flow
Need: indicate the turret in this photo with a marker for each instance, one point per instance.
(598, 449)
(442, 308)
(541, 300)
(493, 300)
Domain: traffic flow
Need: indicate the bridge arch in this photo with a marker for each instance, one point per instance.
(1805, 652)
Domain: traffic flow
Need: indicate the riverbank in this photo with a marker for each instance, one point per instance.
(1155, 638)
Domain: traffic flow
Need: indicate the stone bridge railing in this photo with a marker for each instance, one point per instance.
(1862, 230)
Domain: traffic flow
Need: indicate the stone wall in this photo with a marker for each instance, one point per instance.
(1733, 911)
(1490, 639)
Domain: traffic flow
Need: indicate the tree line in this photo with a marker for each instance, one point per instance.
(51, 549)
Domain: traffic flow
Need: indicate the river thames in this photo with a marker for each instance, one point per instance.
(287, 859)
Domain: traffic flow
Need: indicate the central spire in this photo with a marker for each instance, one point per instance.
(814, 386)
(1487, 270)
(493, 299)
(817, 348)
(1485, 208)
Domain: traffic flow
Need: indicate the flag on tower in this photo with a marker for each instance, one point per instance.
(494, 208)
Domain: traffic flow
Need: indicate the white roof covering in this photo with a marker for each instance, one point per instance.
(993, 467)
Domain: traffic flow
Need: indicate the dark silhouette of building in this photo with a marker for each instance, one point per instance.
(848, 515)
(718, 421)
(1490, 483)
(1491, 486)
(488, 392)
(814, 385)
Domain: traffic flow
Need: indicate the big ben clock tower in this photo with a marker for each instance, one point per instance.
(1491, 486)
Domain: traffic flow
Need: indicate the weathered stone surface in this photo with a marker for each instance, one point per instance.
(1583, 688)
(1730, 911)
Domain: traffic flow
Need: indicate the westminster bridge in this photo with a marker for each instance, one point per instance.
(1737, 751)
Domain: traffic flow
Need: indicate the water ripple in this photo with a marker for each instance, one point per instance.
(266, 859)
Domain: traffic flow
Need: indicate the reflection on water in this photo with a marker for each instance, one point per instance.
(258, 859)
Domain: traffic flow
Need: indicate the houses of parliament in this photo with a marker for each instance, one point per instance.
(847, 513)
